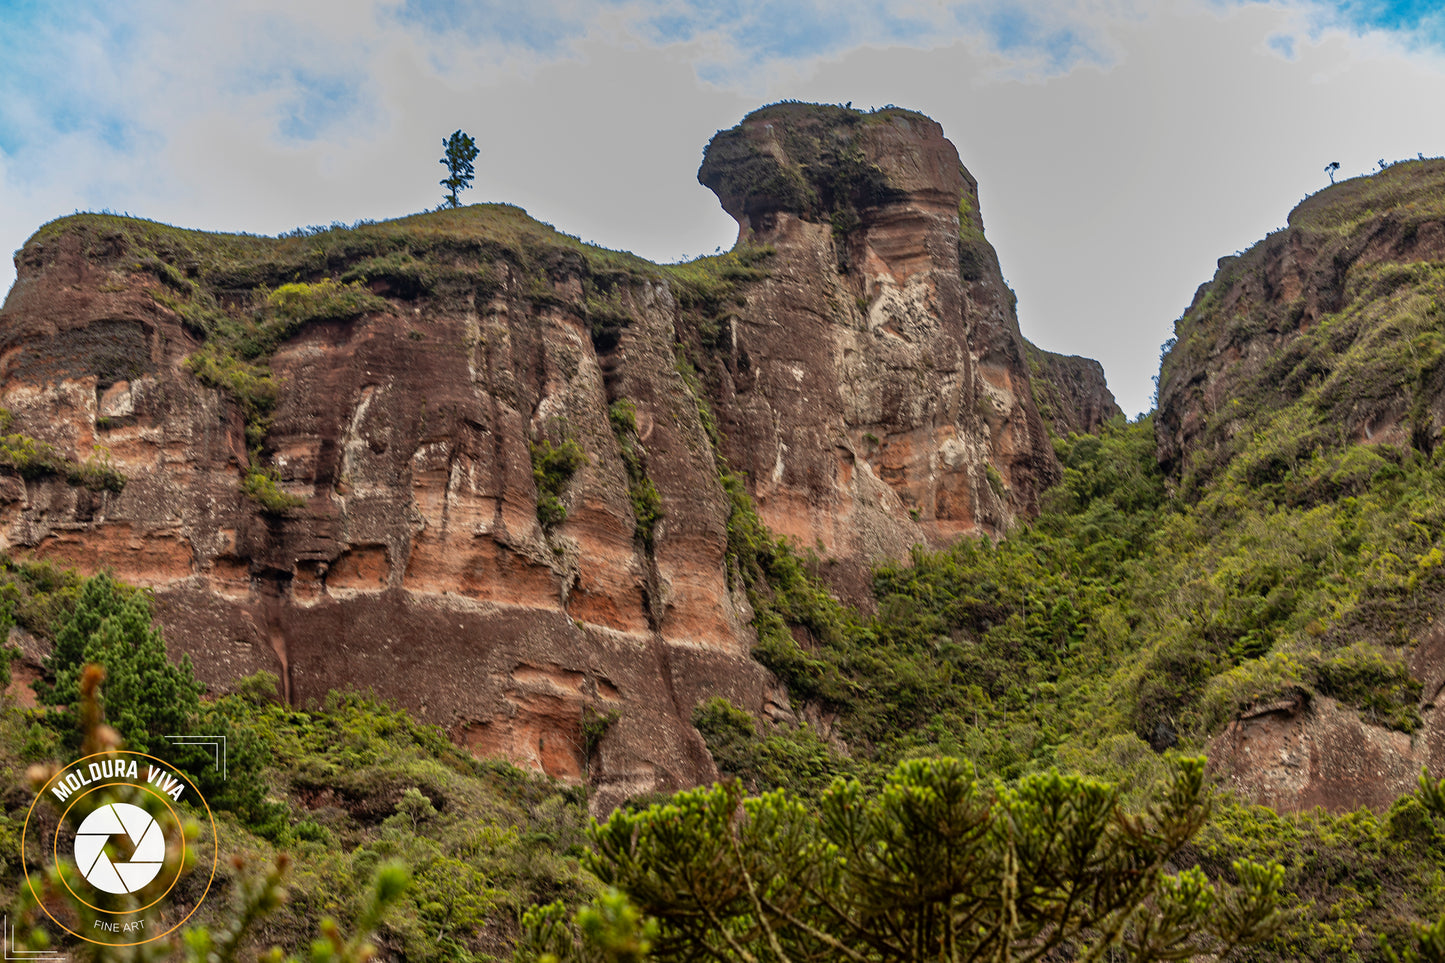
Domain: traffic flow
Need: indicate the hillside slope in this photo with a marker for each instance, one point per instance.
(1303, 400)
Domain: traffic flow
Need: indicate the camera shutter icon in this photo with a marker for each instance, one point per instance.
(145, 835)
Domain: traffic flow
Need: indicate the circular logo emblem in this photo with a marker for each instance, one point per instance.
(120, 830)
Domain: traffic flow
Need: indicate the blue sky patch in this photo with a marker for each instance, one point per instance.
(1389, 14)
(543, 28)
(320, 102)
(43, 92)
(1282, 44)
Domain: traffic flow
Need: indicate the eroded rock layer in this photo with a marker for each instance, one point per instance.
(878, 377)
(463, 460)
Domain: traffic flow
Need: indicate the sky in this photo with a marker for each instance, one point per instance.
(1121, 146)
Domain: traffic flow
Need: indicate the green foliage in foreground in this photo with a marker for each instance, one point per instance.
(1126, 619)
(934, 866)
(224, 935)
(146, 696)
(361, 786)
(342, 788)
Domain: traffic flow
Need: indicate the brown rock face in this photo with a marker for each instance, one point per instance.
(871, 387)
(1298, 755)
(1347, 252)
(417, 565)
(1071, 392)
(874, 388)
(1300, 752)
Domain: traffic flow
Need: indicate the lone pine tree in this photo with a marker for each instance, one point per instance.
(461, 150)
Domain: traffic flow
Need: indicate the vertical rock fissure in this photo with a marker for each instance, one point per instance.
(271, 600)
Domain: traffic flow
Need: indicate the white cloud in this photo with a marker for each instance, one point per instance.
(1120, 146)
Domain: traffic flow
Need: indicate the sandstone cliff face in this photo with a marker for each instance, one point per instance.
(1071, 392)
(416, 565)
(869, 382)
(874, 388)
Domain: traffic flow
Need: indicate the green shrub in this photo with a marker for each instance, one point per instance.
(404, 275)
(262, 486)
(33, 458)
(250, 384)
(622, 413)
(1048, 867)
(795, 759)
(643, 494)
(299, 303)
(97, 474)
(1375, 681)
(552, 469)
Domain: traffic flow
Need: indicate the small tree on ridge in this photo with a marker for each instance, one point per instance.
(461, 150)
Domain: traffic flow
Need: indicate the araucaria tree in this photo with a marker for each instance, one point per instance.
(934, 867)
(461, 150)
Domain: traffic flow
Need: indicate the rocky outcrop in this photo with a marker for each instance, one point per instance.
(1071, 393)
(874, 388)
(1302, 753)
(1348, 254)
(463, 460)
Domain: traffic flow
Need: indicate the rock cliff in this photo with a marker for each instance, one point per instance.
(1070, 391)
(1359, 252)
(472, 463)
(874, 387)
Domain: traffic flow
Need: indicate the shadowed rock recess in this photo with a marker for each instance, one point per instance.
(471, 463)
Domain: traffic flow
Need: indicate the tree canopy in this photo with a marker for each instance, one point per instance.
(934, 866)
(147, 697)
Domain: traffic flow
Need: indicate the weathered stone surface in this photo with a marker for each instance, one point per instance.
(1299, 754)
(874, 388)
(870, 408)
(1071, 392)
(417, 566)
